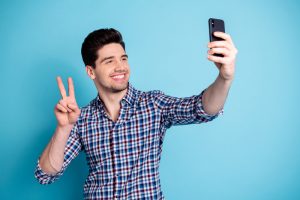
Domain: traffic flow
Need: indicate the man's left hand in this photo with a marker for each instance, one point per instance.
(226, 47)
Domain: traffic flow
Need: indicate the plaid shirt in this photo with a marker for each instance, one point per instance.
(123, 156)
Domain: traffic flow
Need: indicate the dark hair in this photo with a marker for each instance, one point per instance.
(95, 41)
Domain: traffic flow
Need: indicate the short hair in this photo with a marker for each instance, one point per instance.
(95, 41)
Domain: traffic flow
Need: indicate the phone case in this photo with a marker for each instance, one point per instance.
(215, 25)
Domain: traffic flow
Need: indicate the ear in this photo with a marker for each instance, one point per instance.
(90, 72)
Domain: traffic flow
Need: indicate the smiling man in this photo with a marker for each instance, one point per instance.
(122, 130)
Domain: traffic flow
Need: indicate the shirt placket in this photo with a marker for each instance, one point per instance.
(117, 175)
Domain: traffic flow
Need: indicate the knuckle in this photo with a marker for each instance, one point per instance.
(62, 102)
(228, 52)
(228, 63)
(57, 107)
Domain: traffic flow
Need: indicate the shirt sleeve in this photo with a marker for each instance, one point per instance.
(72, 149)
(183, 111)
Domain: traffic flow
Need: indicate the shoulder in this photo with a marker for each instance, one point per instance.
(149, 95)
(89, 110)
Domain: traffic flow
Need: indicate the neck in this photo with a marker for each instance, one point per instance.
(112, 101)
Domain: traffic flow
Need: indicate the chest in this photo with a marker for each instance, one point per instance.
(134, 135)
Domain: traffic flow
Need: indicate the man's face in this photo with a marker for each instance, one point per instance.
(112, 70)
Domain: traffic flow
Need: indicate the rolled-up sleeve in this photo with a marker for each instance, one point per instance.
(182, 111)
(72, 149)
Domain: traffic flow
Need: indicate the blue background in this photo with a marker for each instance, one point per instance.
(251, 152)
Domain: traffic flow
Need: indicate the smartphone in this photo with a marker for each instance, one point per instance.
(215, 25)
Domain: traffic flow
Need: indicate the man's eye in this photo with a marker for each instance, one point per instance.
(110, 61)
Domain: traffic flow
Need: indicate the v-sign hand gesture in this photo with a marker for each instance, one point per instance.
(66, 110)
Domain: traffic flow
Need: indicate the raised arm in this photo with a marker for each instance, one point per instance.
(215, 95)
(67, 113)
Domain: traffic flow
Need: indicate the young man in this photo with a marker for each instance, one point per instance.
(122, 129)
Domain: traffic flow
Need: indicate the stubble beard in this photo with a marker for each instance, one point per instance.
(117, 89)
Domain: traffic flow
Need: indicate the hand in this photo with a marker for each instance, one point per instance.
(225, 64)
(66, 110)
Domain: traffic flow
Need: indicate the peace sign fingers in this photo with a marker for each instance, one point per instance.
(66, 110)
(63, 90)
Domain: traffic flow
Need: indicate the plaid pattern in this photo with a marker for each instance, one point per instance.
(123, 156)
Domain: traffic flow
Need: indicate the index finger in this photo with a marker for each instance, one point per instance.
(61, 87)
(71, 87)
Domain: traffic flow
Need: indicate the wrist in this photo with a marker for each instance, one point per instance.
(227, 81)
(64, 128)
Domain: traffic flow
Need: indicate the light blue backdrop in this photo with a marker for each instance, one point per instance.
(251, 152)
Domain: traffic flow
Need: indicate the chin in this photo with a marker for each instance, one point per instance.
(119, 87)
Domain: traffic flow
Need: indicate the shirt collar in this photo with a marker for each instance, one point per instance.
(129, 98)
(130, 95)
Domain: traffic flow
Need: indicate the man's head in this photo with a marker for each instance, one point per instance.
(103, 53)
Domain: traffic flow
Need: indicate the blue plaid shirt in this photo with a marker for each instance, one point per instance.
(123, 156)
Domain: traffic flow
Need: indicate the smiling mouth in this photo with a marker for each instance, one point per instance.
(118, 77)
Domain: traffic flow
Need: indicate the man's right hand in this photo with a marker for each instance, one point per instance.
(66, 110)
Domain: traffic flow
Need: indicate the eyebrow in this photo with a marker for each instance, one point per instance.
(110, 57)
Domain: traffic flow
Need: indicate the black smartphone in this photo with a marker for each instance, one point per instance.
(215, 25)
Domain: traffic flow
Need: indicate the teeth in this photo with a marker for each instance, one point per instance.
(119, 76)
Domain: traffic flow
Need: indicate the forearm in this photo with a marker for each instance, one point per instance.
(52, 158)
(215, 95)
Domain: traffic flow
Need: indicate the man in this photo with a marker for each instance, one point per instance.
(122, 129)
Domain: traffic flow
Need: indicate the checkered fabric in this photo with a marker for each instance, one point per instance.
(123, 156)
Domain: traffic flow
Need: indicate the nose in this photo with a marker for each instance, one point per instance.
(120, 66)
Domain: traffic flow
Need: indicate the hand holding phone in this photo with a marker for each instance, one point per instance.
(215, 25)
